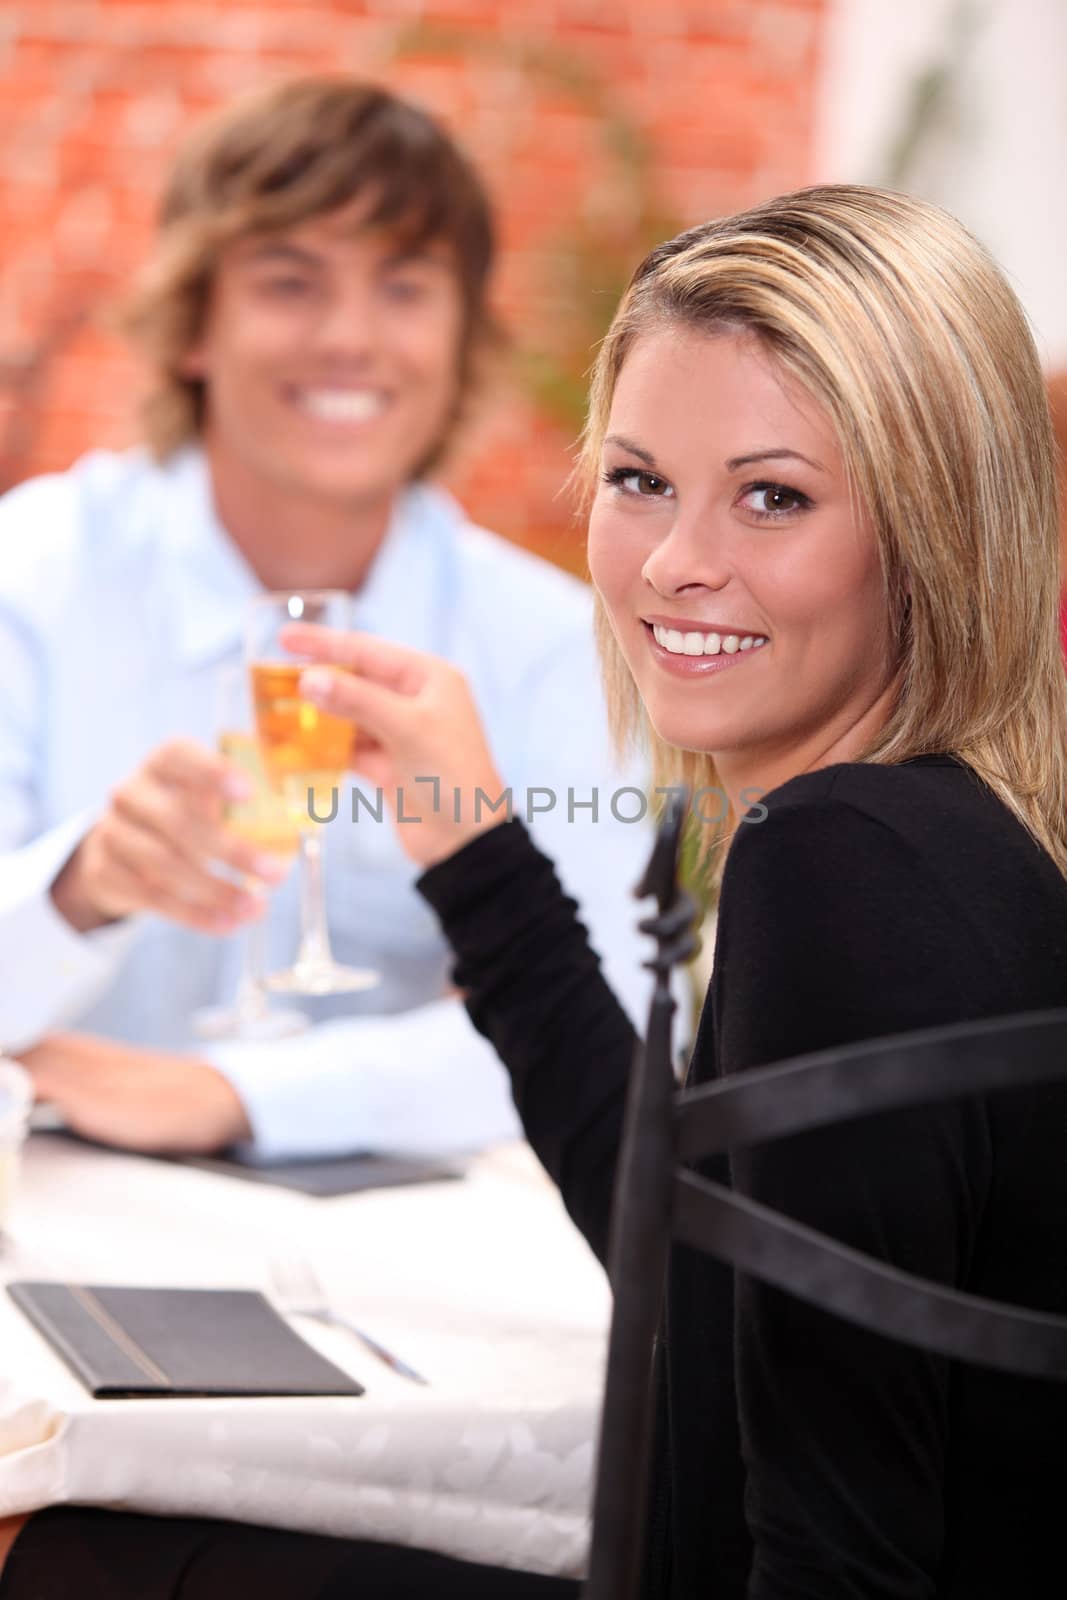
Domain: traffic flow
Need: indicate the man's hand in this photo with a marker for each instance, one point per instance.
(153, 848)
(148, 1100)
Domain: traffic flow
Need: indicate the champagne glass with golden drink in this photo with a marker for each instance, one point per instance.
(265, 821)
(305, 752)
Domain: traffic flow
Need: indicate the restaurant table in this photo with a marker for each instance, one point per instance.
(483, 1285)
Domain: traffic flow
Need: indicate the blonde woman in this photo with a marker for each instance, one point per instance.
(823, 532)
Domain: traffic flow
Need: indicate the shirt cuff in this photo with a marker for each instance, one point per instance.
(419, 1082)
(292, 1114)
(52, 973)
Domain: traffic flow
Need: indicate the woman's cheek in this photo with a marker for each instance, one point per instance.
(614, 560)
(594, 550)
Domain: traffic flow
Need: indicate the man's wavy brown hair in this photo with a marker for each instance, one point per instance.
(282, 156)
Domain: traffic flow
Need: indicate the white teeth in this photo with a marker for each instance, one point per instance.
(704, 644)
(341, 405)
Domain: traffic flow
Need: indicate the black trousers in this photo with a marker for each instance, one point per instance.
(78, 1553)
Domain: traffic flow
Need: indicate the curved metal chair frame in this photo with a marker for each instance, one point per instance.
(656, 1199)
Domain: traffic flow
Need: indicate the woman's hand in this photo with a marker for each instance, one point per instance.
(419, 736)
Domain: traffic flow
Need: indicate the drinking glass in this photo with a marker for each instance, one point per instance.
(305, 752)
(264, 820)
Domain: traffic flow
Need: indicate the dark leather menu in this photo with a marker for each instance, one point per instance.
(331, 1175)
(126, 1342)
(324, 1177)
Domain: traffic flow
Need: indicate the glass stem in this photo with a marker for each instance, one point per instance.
(314, 940)
(250, 1003)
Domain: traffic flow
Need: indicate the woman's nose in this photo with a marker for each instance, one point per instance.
(690, 555)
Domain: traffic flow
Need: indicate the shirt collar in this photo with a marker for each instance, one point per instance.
(404, 596)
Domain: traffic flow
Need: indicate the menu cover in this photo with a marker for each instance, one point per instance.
(134, 1343)
(323, 1176)
(328, 1176)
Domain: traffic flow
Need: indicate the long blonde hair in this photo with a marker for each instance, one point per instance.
(896, 320)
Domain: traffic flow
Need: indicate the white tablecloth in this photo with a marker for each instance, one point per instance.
(482, 1285)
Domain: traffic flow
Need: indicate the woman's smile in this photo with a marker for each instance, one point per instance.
(692, 649)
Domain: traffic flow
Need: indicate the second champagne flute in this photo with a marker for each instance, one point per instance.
(263, 820)
(305, 751)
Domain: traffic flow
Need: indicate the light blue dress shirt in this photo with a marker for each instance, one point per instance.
(121, 598)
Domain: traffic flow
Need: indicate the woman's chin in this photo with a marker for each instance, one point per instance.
(685, 733)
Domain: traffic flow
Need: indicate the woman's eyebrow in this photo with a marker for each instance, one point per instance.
(777, 453)
(631, 448)
(734, 464)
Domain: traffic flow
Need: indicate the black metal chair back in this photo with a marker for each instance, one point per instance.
(657, 1198)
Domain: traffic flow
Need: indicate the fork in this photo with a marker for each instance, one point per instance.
(297, 1290)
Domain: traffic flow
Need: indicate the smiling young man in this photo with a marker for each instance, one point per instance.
(316, 320)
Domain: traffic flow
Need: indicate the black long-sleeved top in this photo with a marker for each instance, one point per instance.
(802, 1458)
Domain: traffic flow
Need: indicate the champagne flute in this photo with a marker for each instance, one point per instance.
(264, 820)
(305, 752)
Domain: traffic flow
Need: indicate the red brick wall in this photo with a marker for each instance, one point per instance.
(94, 95)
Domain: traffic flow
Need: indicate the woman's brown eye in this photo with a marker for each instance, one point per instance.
(773, 500)
(638, 482)
(777, 499)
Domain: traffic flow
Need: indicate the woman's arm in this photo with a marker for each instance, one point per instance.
(832, 931)
(535, 989)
